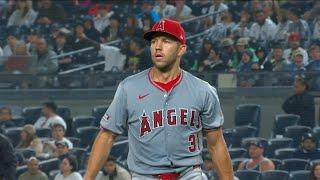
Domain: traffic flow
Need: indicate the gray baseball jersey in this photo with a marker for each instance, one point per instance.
(164, 129)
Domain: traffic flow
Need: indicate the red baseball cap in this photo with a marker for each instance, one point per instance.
(294, 36)
(168, 26)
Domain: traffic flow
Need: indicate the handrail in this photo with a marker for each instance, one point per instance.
(200, 17)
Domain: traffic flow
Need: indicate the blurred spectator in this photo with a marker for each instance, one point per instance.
(33, 171)
(137, 57)
(261, 55)
(222, 29)
(242, 28)
(218, 8)
(45, 63)
(68, 169)
(147, 10)
(281, 33)
(62, 149)
(205, 49)
(12, 40)
(112, 32)
(263, 30)
(7, 8)
(6, 118)
(1, 52)
(101, 21)
(50, 12)
(29, 139)
(90, 30)
(308, 148)
(316, 29)
(297, 63)
(131, 28)
(50, 116)
(77, 41)
(111, 170)
(314, 52)
(294, 42)
(245, 67)
(183, 11)
(32, 36)
(7, 159)
(315, 171)
(164, 10)
(201, 7)
(301, 103)
(299, 26)
(241, 46)
(58, 134)
(257, 161)
(60, 47)
(146, 24)
(213, 63)
(24, 15)
(227, 50)
(277, 61)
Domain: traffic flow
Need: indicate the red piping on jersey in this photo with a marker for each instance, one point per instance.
(161, 88)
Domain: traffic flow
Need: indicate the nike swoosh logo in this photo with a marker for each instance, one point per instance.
(143, 96)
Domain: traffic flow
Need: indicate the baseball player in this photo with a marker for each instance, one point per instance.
(166, 111)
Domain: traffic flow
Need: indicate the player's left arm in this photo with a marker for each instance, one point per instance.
(219, 154)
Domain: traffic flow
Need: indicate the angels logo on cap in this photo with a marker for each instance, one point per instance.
(167, 26)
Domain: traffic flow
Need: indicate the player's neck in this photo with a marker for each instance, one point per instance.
(164, 77)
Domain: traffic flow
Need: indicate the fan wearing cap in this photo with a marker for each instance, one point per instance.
(308, 148)
(294, 43)
(257, 161)
(161, 108)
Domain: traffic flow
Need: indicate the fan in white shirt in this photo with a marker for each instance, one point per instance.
(164, 10)
(49, 117)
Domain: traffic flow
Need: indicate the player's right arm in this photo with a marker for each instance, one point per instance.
(100, 152)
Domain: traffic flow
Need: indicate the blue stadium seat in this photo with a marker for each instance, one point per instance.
(299, 175)
(278, 143)
(26, 152)
(274, 175)
(248, 175)
(294, 164)
(81, 155)
(98, 112)
(64, 112)
(48, 165)
(241, 132)
(277, 163)
(284, 153)
(19, 121)
(31, 114)
(87, 135)
(228, 135)
(237, 152)
(282, 121)
(120, 150)
(81, 121)
(43, 132)
(75, 141)
(296, 132)
(13, 134)
(248, 114)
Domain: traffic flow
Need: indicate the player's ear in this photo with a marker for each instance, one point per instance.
(182, 49)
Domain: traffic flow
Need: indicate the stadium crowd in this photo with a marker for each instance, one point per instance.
(239, 37)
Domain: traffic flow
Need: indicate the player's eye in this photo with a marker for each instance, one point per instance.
(152, 41)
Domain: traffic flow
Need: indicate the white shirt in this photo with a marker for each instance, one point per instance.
(168, 11)
(288, 55)
(113, 57)
(186, 11)
(72, 176)
(222, 7)
(7, 51)
(43, 122)
(316, 30)
(100, 23)
(264, 32)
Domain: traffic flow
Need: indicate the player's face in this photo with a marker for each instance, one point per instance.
(166, 52)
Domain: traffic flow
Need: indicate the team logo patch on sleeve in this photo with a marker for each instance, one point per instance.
(106, 117)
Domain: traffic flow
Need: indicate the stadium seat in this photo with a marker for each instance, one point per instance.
(19, 121)
(237, 152)
(13, 134)
(299, 175)
(31, 114)
(81, 155)
(248, 114)
(43, 132)
(228, 135)
(284, 153)
(87, 135)
(278, 143)
(274, 175)
(98, 112)
(26, 152)
(248, 175)
(241, 132)
(294, 164)
(64, 112)
(316, 133)
(120, 150)
(75, 141)
(296, 132)
(81, 121)
(48, 165)
(311, 163)
(236, 162)
(282, 121)
(277, 163)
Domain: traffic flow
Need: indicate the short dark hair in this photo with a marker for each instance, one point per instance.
(73, 162)
(51, 105)
(58, 125)
(302, 80)
(111, 158)
(138, 41)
